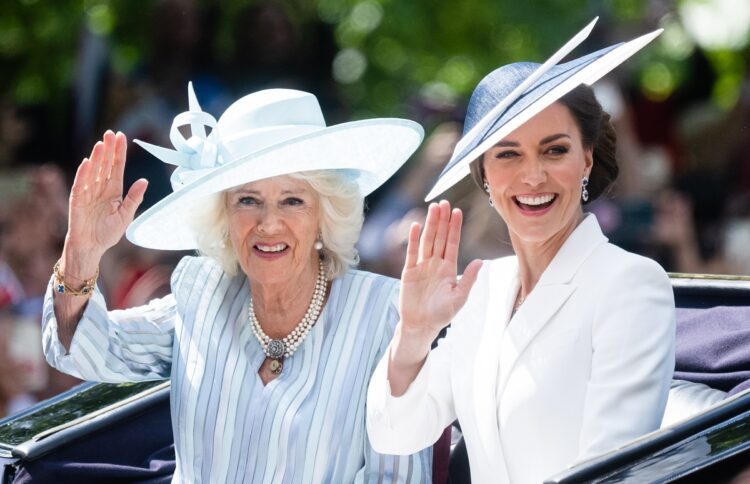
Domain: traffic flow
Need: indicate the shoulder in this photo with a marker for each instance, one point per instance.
(197, 273)
(194, 265)
(368, 283)
(369, 299)
(630, 301)
(612, 259)
(614, 272)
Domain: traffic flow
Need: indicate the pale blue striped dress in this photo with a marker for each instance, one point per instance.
(307, 426)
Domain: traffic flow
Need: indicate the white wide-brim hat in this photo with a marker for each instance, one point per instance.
(512, 94)
(265, 134)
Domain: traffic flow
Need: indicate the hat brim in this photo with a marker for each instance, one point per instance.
(368, 152)
(586, 73)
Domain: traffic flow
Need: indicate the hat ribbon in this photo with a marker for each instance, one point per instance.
(195, 155)
(199, 151)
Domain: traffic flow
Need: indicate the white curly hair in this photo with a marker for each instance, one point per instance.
(341, 217)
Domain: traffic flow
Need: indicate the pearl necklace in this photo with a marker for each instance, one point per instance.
(278, 349)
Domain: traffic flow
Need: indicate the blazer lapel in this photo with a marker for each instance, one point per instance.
(553, 289)
(537, 311)
(501, 282)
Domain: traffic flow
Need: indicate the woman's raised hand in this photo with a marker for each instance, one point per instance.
(97, 219)
(98, 213)
(431, 294)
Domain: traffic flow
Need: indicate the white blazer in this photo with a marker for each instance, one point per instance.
(583, 367)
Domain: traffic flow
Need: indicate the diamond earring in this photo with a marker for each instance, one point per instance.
(486, 187)
(584, 191)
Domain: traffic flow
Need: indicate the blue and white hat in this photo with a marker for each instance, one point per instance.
(512, 94)
(264, 134)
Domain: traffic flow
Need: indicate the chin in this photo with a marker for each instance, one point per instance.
(534, 237)
(264, 277)
(528, 231)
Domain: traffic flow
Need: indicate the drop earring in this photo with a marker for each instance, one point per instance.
(318, 245)
(584, 191)
(486, 187)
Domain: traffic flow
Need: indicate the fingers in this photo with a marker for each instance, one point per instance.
(109, 156)
(83, 177)
(428, 234)
(436, 230)
(469, 277)
(454, 236)
(107, 162)
(412, 246)
(118, 163)
(134, 198)
(441, 235)
(96, 158)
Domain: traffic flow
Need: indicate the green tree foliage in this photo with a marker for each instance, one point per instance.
(37, 48)
(389, 50)
(442, 48)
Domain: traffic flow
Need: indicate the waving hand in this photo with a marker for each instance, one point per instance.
(97, 220)
(431, 295)
(99, 214)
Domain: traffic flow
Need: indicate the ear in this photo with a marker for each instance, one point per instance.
(476, 168)
(588, 160)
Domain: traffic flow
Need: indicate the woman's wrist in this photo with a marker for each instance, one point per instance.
(410, 346)
(408, 353)
(79, 264)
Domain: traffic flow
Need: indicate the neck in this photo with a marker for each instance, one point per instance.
(535, 257)
(279, 307)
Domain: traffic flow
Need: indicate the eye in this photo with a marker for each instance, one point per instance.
(247, 200)
(508, 154)
(557, 150)
(293, 202)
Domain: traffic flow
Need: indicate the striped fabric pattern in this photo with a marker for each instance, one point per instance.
(308, 425)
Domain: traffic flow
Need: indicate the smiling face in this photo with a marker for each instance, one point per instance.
(273, 224)
(534, 176)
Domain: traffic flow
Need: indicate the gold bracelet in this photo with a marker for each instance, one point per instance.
(62, 287)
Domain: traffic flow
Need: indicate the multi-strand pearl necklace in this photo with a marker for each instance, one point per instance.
(278, 349)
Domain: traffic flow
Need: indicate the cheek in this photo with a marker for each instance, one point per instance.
(573, 181)
(305, 229)
(240, 226)
(306, 223)
(569, 174)
(498, 177)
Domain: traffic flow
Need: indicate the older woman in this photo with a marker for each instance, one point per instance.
(558, 353)
(269, 338)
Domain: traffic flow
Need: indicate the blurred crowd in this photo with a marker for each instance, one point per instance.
(683, 196)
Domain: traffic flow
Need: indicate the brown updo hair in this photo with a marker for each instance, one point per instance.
(597, 133)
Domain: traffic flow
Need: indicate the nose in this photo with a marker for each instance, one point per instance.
(533, 172)
(269, 221)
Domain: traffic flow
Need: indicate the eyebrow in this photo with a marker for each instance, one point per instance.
(249, 191)
(544, 141)
(554, 137)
